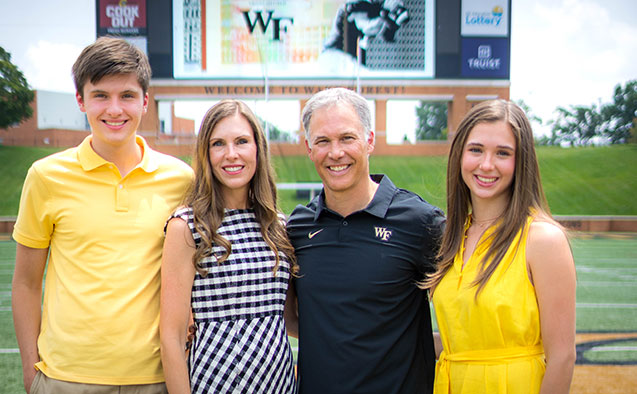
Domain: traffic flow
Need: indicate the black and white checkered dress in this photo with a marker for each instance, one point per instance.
(241, 345)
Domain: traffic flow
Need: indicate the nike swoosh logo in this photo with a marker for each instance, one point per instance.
(311, 235)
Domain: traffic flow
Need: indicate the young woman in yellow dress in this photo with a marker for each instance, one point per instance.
(504, 291)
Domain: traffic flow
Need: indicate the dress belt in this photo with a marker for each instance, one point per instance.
(489, 356)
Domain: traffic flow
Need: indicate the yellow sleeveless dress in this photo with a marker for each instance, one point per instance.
(492, 344)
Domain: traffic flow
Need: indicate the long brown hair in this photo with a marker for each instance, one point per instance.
(206, 199)
(527, 196)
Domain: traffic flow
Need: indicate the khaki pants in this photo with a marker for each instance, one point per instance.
(45, 385)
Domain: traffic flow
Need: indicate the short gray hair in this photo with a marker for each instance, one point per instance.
(332, 96)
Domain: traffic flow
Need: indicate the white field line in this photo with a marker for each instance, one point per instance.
(613, 349)
(607, 284)
(619, 274)
(617, 306)
(605, 270)
(593, 262)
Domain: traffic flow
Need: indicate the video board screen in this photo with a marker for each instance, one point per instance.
(303, 39)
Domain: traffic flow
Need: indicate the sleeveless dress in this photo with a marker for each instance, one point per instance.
(241, 344)
(492, 344)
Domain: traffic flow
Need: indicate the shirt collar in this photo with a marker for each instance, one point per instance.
(379, 204)
(384, 194)
(90, 160)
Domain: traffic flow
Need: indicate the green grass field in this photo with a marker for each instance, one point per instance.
(606, 300)
(16, 161)
(577, 181)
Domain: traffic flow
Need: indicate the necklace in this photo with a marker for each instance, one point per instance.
(477, 231)
(484, 222)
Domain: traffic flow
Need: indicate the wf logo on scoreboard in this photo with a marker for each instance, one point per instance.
(277, 24)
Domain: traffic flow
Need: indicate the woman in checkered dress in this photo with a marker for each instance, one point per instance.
(227, 260)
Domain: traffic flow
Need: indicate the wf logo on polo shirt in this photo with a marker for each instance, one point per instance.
(382, 233)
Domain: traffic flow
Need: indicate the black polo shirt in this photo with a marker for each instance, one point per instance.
(364, 326)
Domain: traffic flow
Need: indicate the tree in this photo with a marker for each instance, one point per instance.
(274, 133)
(552, 139)
(15, 95)
(432, 121)
(578, 124)
(621, 115)
(532, 117)
(616, 122)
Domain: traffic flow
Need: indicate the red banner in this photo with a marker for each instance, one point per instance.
(122, 17)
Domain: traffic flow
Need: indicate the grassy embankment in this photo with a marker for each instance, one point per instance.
(577, 181)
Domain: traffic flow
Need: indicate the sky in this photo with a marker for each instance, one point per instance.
(563, 52)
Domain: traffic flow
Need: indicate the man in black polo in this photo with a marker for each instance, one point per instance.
(362, 244)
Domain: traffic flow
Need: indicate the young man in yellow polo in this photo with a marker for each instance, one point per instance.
(97, 212)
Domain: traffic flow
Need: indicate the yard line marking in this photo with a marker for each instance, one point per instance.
(6, 351)
(613, 349)
(5, 309)
(581, 262)
(590, 305)
(611, 269)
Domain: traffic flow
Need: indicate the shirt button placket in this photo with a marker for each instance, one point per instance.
(122, 198)
(341, 230)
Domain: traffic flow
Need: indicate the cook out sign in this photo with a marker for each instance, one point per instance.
(123, 17)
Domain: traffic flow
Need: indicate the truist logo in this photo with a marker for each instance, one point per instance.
(485, 60)
(122, 14)
(382, 233)
(278, 24)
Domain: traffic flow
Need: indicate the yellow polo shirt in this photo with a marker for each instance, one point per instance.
(100, 319)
